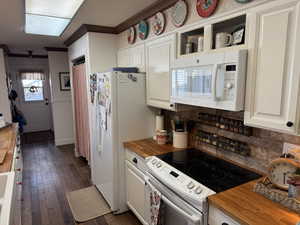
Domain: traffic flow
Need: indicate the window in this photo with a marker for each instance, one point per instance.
(33, 88)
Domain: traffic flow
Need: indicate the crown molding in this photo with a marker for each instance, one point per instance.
(5, 48)
(158, 6)
(27, 56)
(85, 28)
(56, 49)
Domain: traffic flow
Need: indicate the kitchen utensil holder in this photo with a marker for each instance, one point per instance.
(180, 139)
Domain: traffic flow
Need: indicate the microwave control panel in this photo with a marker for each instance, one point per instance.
(229, 82)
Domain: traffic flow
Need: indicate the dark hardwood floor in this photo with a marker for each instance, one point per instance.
(49, 172)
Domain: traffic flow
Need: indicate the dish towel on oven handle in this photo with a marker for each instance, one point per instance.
(157, 207)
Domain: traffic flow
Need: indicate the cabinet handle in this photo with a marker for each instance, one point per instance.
(18, 170)
(225, 224)
(19, 183)
(134, 160)
(171, 105)
(289, 124)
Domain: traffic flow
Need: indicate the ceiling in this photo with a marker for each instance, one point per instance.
(96, 12)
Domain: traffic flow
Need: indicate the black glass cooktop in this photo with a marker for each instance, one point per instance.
(214, 173)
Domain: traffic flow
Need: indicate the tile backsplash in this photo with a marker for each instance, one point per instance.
(264, 145)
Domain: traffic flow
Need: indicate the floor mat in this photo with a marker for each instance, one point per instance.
(87, 204)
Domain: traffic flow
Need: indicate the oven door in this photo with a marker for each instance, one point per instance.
(177, 211)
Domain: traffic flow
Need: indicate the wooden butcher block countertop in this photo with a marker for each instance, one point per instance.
(7, 143)
(250, 208)
(149, 147)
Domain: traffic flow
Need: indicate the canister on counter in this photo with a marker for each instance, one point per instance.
(161, 137)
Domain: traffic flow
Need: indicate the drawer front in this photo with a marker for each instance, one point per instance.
(136, 160)
(217, 217)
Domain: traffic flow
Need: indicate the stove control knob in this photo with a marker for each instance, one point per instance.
(198, 190)
(158, 165)
(154, 161)
(191, 185)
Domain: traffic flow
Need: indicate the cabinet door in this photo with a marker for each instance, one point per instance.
(273, 66)
(137, 55)
(217, 217)
(159, 55)
(123, 58)
(135, 187)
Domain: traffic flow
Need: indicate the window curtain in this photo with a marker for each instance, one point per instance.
(81, 111)
(32, 75)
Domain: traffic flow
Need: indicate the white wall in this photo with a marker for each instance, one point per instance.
(4, 102)
(100, 51)
(61, 100)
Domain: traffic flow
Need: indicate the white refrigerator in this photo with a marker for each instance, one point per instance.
(121, 114)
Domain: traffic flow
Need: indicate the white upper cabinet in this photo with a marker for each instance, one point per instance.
(273, 67)
(160, 53)
(137, 56)
(132, 57)
(123, 58)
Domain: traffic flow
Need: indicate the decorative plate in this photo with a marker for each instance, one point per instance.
(179, 13)
(159, 23)
(243, 1)
(143, 30)
(206, 8)
(131, 35)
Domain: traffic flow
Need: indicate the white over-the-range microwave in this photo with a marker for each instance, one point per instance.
(213, 80)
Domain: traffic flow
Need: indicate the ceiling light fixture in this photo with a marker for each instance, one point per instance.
(49, 17)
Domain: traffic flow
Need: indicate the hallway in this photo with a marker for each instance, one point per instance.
(48, 173)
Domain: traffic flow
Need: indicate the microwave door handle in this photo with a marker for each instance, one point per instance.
(195, 220)
(214, 81)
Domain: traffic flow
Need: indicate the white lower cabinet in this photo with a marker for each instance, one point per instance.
(160, 54)
(217, 217)
(272, 99)
(135, 188)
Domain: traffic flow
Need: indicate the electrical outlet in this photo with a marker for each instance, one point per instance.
(288, 146)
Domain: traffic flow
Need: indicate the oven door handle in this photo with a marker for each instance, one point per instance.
(194, 220)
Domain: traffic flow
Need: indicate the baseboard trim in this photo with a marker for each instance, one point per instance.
(64, 141)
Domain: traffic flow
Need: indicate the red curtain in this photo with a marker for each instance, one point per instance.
(81, 111)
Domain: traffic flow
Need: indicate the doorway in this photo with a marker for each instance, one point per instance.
(81, 109)
(30, 79)
(34, 97)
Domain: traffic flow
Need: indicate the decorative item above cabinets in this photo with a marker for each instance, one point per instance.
(206, 8)
(159, 23)
(143, 30)
(272, 99)
(179, 13)
(131, 35)
(243, 1)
